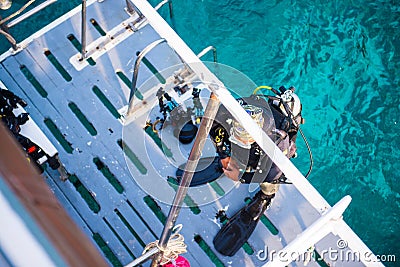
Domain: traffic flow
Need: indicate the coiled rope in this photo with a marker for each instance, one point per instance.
(175, 246)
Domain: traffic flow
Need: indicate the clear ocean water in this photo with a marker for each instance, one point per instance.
(344, 59)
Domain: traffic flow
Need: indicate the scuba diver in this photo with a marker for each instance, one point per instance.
(243, 160)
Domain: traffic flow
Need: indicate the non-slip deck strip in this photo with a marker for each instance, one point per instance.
(152, 204)
(167, 152)
(128, 83)
(107, 103)
(206, 248)
(85, 194)
(188, 200)
(59, 67)
(78, 47)
(118, 237)
(130, 228)
(152, 69)
(217, 188)
(132, 156)
(97, 27)
(142, 219)
(58, 135)
(82, 118)
(35, 83)
(109, 175)
(106, 250)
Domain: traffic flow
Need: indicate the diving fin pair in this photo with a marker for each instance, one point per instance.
(239, 228)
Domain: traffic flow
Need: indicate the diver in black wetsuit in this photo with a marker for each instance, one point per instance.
(243, 160)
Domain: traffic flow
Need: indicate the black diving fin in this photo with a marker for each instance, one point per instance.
(208, 169)
(239, 228)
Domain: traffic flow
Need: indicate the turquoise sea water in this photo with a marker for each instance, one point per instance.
(344, 59)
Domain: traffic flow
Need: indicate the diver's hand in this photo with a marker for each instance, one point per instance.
(225, 162)
(232, 170)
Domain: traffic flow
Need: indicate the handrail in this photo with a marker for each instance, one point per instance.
(30, 13)
(19, 11)
(206, 50)
(141, 55)
(4, 28)
(162, 3)
(312, 235)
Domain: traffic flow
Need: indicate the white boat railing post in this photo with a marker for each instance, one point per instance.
(162, 3)
(310, 236)
(207, 49)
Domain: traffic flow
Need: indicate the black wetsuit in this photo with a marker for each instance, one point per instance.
(257, 166)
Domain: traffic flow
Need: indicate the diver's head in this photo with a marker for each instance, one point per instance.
(239, 135)
(290, 105)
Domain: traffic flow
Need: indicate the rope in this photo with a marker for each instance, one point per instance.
(176, 245)
(18, 12)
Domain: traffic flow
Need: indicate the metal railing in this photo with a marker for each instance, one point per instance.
(141, 55)
(208, 49)
(162, 3)
(4, 28)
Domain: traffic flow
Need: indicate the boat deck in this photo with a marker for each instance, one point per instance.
(80, 107)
